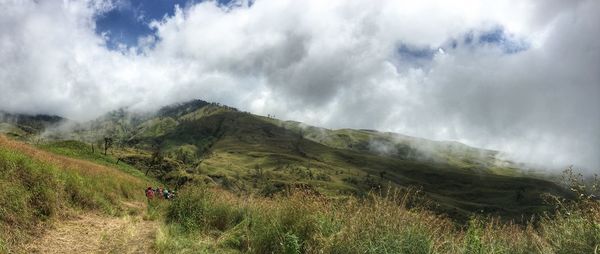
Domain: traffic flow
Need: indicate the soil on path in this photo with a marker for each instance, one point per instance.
(92, 233)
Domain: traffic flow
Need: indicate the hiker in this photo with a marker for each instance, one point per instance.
(149, 193)
(166, 193)
(159, 191)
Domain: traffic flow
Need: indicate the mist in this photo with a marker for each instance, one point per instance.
(520, 77)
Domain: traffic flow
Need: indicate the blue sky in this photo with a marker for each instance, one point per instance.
(495, 37)
(130, 19)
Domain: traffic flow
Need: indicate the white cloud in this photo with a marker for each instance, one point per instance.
(329, 63)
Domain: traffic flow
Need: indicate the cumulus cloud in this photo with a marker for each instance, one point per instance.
(518, 76)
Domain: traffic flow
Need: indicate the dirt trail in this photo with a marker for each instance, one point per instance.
(91, 233)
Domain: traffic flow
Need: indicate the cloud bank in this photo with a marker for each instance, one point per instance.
(518, 76)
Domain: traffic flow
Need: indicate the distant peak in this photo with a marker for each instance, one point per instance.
(182, 108)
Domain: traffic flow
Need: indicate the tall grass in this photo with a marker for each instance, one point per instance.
(38, 187)
(305, 223)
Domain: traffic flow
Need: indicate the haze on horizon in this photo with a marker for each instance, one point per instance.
(516, 76)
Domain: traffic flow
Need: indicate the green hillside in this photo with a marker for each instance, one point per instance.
(214, 144)
(39, 188)
(404, 147)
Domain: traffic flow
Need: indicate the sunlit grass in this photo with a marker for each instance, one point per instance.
(79, 150)
(39, 187)
(306, 223)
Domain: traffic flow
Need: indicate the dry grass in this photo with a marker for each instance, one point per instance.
(40, 187)
(65, 163)
(305, 223)
(91, 233)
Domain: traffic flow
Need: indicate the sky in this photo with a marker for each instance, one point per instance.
(519, 76)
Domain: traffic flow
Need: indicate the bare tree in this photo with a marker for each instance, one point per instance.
(108, 143)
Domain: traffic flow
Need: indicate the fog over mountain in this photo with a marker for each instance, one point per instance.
(517, 76)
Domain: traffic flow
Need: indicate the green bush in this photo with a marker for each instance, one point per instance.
(284, 227)
(197, 209)
(473, 238)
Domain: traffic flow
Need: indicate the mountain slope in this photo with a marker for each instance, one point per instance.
(39, 187)
(210, 143)
(23, 125)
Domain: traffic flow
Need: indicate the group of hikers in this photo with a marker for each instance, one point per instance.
(160, 193)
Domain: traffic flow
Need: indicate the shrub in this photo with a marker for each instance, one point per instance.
(473, 238)
(286, 226)
(198, 209)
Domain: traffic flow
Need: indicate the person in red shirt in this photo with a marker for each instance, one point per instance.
(149, 193)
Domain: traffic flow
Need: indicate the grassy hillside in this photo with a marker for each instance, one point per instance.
(38, 187)
(208, 143)
(251, 153)
(83, 151)
(394, 145)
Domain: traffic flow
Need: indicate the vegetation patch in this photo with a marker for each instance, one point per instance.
(39, 187)
(301, 222)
